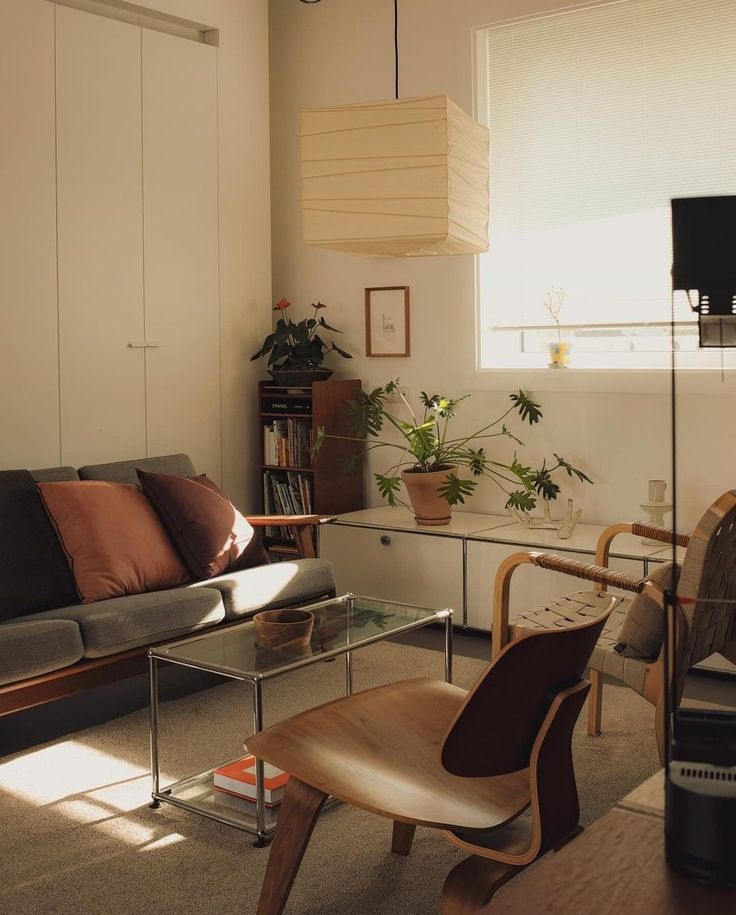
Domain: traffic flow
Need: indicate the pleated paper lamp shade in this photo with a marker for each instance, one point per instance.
(395, 178)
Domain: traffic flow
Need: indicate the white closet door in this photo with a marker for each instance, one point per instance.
(29, 358)
(181, 249)
(98, 86)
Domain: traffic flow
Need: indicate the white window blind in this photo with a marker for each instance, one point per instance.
(598, 117)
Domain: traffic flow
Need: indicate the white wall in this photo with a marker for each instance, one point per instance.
(617, 428)
(244, 241)
(245, 267)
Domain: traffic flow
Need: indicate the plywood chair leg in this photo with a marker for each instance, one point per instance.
(299, 810)
(402, 837)
(595, 702)
(471, 884)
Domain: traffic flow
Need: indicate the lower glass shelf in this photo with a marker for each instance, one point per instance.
(198, 793)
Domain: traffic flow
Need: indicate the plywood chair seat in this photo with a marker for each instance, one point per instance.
(397, 772)
(491, 767)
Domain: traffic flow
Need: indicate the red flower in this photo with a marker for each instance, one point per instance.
(281, 305)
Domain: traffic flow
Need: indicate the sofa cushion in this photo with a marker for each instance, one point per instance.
(210, 534)
(109, 626)
(277, 585)
(54, 474)
(113, 539)
(124, 471)
(34, 573)
(29, 648)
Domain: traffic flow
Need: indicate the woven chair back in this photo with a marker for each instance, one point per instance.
(708, 578)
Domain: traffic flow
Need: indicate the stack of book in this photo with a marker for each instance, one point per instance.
(287, 442)
(235, 787)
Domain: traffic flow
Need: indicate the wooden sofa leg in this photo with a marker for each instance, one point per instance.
(299, 811)
(402, 837)
(595, 702)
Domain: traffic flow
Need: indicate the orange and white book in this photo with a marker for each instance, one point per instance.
(239, 778)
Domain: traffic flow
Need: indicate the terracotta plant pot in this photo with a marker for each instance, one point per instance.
(283, 628)
(429, 507)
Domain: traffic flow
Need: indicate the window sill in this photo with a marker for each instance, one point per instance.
(618, 381)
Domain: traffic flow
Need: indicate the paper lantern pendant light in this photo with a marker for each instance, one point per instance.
(395, 178)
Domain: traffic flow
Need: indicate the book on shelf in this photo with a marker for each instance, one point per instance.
(287, 442)
(239, 778)
(227, 799)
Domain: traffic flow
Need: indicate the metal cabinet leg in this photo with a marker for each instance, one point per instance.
(448, 649)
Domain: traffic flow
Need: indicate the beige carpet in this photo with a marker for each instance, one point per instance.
(77, 835)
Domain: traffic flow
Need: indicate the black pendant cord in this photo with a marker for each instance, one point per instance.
(396, 47)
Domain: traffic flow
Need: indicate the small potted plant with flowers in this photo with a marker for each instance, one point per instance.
(296, 350)
(559, 351)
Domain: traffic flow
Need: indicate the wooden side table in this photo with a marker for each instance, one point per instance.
(618, 865)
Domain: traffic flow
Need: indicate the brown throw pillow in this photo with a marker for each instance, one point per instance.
(209, 532)
(112, 538)
(642, 632)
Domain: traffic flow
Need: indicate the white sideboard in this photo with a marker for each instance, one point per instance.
(383, 552)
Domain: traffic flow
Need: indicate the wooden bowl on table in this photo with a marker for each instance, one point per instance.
(284, 628)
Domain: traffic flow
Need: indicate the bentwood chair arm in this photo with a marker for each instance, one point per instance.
(640, 529)
(594, 573)
(303, 527)
(288, 520)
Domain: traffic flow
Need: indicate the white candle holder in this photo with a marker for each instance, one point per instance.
(656, 507)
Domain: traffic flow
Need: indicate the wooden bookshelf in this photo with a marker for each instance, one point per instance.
(291, 482)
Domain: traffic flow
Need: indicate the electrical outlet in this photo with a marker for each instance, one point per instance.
(395, 395)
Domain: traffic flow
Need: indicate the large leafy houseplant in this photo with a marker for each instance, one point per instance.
(298, 344)
(424, 444)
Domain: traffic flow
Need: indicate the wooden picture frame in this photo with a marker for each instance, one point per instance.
(387, 321)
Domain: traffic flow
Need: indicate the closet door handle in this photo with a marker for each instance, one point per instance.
(143, 344)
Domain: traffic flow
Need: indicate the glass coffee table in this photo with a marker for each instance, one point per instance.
(341, 626)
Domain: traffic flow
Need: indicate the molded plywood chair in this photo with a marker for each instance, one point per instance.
(492, 768)
(708, 574)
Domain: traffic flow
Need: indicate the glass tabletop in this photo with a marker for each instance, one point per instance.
(341, 624)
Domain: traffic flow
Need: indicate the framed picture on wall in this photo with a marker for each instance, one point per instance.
(387, 321)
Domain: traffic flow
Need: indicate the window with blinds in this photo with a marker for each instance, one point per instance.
(598, 117)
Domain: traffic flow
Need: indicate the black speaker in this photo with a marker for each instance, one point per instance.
(703, 249)
(700, 797)
(704, 243)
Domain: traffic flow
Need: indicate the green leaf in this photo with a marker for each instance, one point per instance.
(327, 326)
(388, 487)
(572, 471)
(527, 408)
(318, 442)
(266, 348)
(454, 489)
(521, 499)
(523, 473)
(341, 352)
(478, 461)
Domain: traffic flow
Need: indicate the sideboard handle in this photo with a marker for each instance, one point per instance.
(385, 540)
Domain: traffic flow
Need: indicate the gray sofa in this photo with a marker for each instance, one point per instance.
(53, 652)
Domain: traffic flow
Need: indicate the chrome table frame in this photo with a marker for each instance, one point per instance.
(263, 832)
